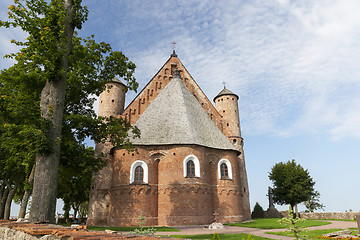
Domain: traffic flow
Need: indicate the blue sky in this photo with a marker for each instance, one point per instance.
(294, 64)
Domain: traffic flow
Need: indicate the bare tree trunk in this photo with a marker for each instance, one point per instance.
(2, 202)
(26, 196)
(2, 190)
(296, 211)
(9, 201)
(10, 196)
(43, 204)
(75, 213)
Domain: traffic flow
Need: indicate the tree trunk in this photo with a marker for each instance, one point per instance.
(26, 196)
(66, 209)
(75, 213)
(9, 201)
(296, 211)
(2, 202)
(2, 189)
(43, 204)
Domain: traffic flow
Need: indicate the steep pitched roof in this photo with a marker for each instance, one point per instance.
(176, 117)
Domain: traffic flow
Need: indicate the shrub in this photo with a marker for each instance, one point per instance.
(258, 211)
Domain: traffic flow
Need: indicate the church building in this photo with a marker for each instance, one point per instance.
(189, 165)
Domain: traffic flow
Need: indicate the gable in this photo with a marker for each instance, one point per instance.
(177, 117)
(147, 95)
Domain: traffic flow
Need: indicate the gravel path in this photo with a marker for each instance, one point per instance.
(194, 230)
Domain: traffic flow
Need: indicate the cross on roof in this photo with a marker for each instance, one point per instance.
(224, 83)
(173, 43)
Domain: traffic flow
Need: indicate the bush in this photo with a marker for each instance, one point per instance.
(258, 211)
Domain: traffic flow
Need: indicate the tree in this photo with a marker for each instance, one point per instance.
(313, 203)
(21, 136)
(64, 64)
(292, 184)
(258, 211)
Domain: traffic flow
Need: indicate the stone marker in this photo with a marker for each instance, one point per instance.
(216, 224)
(358, 222)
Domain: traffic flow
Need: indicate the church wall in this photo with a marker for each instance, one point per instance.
(184, 200)
(129, 200)
(169, 198)
(99, 200)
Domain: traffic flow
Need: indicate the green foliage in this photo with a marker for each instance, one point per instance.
(258, 211)
(216, 236)
(44, 58)
(313, 203)
(292, 224)
(141, 230)
(273, 223)
(292, 183)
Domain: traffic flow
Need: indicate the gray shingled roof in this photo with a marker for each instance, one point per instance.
(176, 117)
(225, 91)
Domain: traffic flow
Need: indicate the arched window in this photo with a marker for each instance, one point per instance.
(139, 172)
(224, 169)
(191, 166)
(190, 169)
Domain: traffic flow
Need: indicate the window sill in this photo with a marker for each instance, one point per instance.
(192, 177)
(226, 179)
(139, 183)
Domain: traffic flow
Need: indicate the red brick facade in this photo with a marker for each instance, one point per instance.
(167, 195)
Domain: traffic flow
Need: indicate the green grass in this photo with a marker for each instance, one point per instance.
(238, 236)
(309, 234)
(128, 229)
(273, 223)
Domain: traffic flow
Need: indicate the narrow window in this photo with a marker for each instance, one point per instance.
(173, 68)
(191, 166)
(190, 169)
(139, 174)
(224, 170)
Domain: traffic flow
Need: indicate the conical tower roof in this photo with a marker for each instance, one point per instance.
(225, 91)
(176, 117)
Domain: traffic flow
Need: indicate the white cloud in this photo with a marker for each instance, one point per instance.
(291, 62)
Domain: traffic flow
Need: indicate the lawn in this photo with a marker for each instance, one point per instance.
(273, 223)
(239, 236)
(310, 234)
(128, 229)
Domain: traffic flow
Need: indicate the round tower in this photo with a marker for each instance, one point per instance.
(112, 99)
(226, 103)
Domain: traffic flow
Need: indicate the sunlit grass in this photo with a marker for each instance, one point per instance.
(239, 236)
(273, 223)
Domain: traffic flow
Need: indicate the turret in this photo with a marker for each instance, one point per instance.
(226, 103)
(112, 99)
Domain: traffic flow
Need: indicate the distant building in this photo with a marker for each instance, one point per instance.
(190, 164)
